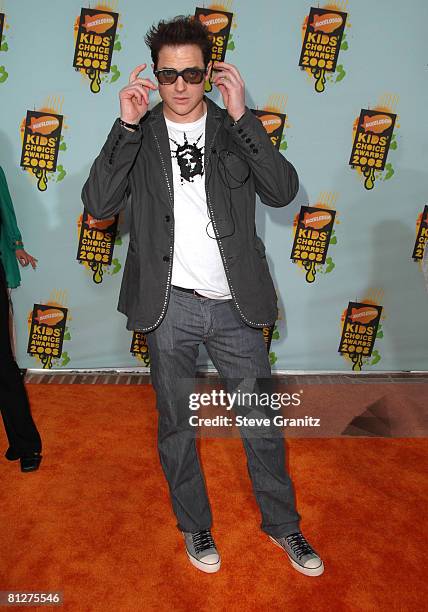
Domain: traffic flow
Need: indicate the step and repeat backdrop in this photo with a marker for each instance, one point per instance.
(341, 88)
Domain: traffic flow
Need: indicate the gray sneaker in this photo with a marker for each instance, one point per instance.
(301, 554)
(201, 551)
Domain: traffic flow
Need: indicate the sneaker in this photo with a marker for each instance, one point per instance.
(301, 554)
(201, 551)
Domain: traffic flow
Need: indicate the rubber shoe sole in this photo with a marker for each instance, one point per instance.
(208, 568)
(317, 571)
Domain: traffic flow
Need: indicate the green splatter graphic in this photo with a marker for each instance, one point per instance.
(3, 74)
(65, 359)
(42, 178)
(115, 74)
(61, 173)
(117, 266)
(393, 144)
(272, 358)
(379, 332)
(341, 73)
(275, 333)
(46, 360)
(370, 175)
(4, 47)
(330, 265)
(389, 171)
(230, 44)
(319, 74)
(118, 240)
(63, 145)
(375, 358)
(283, 146)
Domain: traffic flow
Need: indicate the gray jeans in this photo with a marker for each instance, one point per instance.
(237, 351)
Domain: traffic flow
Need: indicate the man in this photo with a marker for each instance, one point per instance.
(196, 271)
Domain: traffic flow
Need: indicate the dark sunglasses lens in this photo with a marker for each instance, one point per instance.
(167, 77)
(193, 76)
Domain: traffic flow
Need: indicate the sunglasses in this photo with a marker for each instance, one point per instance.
(168, 76)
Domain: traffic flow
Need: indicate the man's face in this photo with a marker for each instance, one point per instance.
(181, 98)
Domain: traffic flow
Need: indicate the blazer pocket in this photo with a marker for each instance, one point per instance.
(236, 169)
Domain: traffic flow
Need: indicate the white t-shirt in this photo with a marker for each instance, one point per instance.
(197, 261)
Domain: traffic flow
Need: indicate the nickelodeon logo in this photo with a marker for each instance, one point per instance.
(270, 122)
(327, 23)
(316, 220)
(99, 223)
(49, 317)
(215, 22)
(363, 315)
(377, 123)
(98, 23)
(43, 125)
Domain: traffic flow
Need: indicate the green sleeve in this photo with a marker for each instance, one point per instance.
(11, 231)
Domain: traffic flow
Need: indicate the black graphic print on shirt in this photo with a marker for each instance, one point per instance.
(189, 158)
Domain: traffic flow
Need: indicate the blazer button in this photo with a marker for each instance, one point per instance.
(248, 140)
(240, 131)
(167, 218)
(165, 258)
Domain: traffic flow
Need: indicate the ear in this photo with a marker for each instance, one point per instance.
(209, 70)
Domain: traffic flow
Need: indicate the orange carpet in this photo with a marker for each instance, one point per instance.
(95, 521)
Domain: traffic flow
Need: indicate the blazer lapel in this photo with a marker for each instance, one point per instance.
(160, 132)
(211, 128)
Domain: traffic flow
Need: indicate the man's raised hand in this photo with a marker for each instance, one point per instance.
(134, 98)
(232, 88)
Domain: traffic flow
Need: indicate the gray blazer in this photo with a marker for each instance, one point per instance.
(239, 161)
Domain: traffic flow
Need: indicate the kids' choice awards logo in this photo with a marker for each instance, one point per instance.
(219, 23)
(42, 139)
(313, 234)
(97, 239)
(312, 238)
(371, 143)
(323, 38)
(421, 235)
(48, 330)
(273, 118)
(360, 328)
(3, 47)
(139, 348)
(373, 138)
(95, 41)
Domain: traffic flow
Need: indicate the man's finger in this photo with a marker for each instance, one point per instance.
(134, 91)
(136, 72)
(229, 68)
(145, 83)
(226, 78)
